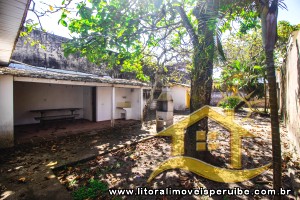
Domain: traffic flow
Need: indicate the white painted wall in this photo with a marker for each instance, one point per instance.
(179, 97)
(6, 112)
(122, 95)
(87, 103)
(132, 95)
(103, 103)
(137, 103)
(33, 96)
(113, 106)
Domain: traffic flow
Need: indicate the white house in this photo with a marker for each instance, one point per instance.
(181, 96)
(28, 92)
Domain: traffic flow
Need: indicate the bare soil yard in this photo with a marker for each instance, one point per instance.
(131, 166)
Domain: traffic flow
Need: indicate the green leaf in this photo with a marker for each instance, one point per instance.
(220, 48)
(23, 34)
(257, 67)
(32, 43)
(63, 15)
(64, 23)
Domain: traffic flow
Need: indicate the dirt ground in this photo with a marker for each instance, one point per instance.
(27, 170)
(130, 167)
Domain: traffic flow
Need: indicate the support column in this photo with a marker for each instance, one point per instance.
(141, 103)
(113, 106)
(6, 112)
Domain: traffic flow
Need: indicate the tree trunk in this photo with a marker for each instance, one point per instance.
(201, 75)
(201, 87)
(269, 14)
(265, 95)
(276, 148)
(150, 100)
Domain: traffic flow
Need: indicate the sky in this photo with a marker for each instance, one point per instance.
(51, 23)
(291, 15)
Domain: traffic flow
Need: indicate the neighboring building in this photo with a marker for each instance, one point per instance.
(52, 56)
(289, 94)
(181, 96)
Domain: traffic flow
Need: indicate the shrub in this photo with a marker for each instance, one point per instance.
(92, 190)
(230, 102)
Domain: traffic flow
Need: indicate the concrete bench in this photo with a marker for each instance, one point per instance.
(56, 117)
(51, 117)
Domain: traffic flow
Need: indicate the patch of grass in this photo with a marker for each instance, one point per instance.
(91, 191)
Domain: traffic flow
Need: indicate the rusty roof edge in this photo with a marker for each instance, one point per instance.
(78, 78)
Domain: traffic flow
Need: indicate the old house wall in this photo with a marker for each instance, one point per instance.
(52, 56)
(34, 96)
(103, 103)
(122, 95)
(292, 88)
(137, 103)
(179, 97)
(87, 103)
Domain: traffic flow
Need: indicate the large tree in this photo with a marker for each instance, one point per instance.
(269, 13)
(267, 10)
(130, 27)
(202, 30)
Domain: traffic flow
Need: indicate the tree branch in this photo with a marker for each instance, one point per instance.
(187, 24)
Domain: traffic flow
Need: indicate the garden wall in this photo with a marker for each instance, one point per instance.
(290, 97)
(52, 56)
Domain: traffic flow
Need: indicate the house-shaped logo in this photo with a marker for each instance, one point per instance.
(177, 132)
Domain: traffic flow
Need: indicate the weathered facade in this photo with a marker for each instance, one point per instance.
(290, 88)
(52, 56)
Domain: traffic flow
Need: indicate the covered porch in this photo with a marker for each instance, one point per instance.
(40, 106)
